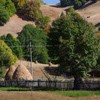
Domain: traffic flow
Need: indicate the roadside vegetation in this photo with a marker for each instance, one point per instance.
(14, 89)
(77, 93)
(58, 92)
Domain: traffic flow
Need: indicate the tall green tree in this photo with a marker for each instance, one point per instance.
(7, 58)
(38, 39)
(74, 45)
(14, 44)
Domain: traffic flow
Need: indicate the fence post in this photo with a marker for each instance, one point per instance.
(38, 83)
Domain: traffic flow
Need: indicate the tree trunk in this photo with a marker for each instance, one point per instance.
(77, 83)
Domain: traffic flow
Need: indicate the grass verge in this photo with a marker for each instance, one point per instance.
(14, 89)
(76, 93)
(65, 93)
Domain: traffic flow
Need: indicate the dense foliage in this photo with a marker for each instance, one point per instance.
(7, 58)
(43, 22)
(7, 9)
(76, 3)
(31, 11)
(38, 39)
(19, 4)
(74, 45)
(14, 44)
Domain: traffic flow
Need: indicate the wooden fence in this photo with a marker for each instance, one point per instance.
(46, 84)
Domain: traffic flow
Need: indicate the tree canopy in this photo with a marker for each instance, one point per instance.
(7, 9)
(74, 45)
(7, 58)
(76, 3)
(14, 44)
(38, 39)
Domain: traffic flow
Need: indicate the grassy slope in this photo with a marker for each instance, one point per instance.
(91, 13)
(15, 24)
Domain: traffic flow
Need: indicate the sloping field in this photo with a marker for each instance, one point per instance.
(13, 26)
(40, 96)
(41, 71)
(52, 12)
(91, 13)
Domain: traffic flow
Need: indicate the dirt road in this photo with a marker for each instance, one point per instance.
(6, 95)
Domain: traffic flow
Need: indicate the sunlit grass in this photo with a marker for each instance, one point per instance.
(76, 93)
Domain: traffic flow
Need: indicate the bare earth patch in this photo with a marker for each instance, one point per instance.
(4, 95)
(52, 12)
(91, 13)
(14, 25)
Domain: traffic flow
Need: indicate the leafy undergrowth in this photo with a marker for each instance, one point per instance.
(76, 93)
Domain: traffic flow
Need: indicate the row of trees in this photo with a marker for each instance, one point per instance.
(20, 46)
(77, 3)
(12, 48)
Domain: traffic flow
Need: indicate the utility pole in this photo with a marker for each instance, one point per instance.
(31, 68)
